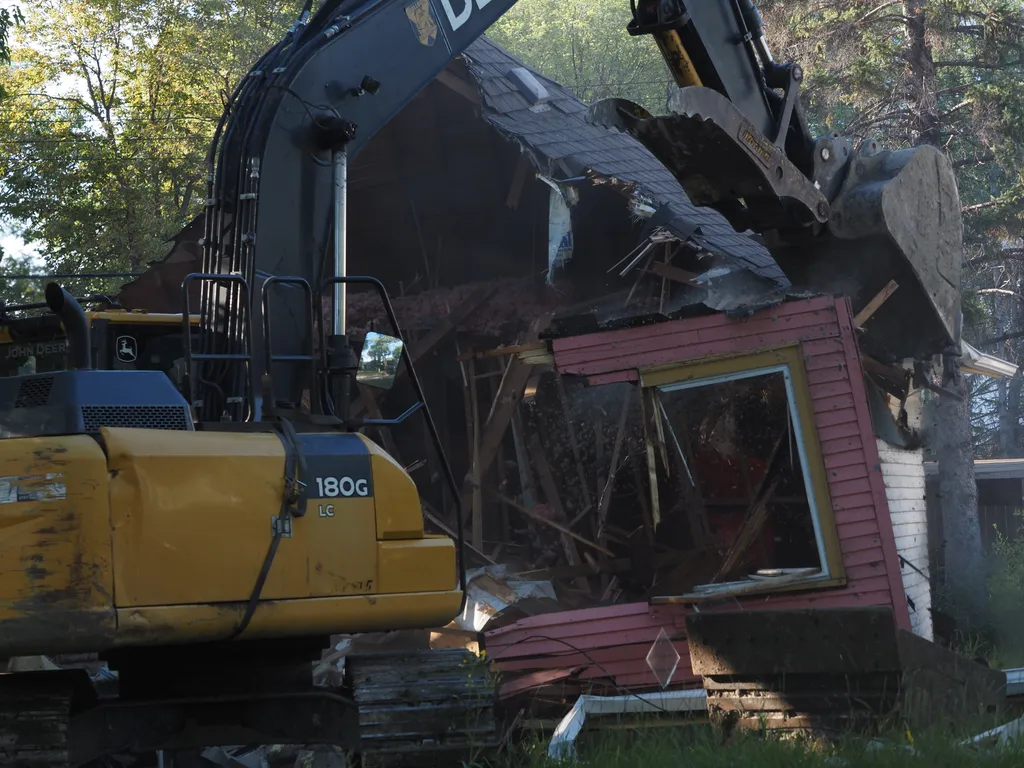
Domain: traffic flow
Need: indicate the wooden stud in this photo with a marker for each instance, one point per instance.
(604, 500)
(641, 497)
(646, 402)
(563, 400)
(668, 272)
(478, 515)
(875, 304)
(550, 523)
(506, 531)
(550, 488)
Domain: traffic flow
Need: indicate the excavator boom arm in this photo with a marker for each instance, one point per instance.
(326, 89)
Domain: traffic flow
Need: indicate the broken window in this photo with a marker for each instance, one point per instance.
(733, 483)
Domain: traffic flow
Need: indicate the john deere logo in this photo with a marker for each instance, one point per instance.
(423, 22)
(127, 349)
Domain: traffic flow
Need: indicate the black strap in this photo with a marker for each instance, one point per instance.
(293, 504)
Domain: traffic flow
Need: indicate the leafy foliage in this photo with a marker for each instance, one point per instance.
(583, 45)
(112, 106)
(945, 72)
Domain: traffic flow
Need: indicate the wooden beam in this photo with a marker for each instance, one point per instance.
(563, 400)
(431, 514)
(550, 488)
(667, 271)
(509, 394)
(462, 87)
(550, 523)
(514, 349)
(652, 466)
(605, 498)
(875, 304)
(478, 511)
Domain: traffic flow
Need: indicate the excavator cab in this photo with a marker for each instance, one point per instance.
(33, 340)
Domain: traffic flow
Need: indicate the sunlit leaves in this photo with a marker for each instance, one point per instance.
(112, 106)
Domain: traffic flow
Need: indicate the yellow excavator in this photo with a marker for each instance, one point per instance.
(207, 541)
(129, 529)
(35, 342)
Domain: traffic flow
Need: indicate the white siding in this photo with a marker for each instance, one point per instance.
(903, 472)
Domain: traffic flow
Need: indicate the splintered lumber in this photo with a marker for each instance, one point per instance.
(649, 412)
(523, 461)
(550, 488)
(507, 351)
(431, 514)
(668, 272)
(510, 393)
(474, 410)
(757, 513)
(618, 565)
(606, 493)
(551, 523)
(875, 304)
(641, 497)
(573, 443)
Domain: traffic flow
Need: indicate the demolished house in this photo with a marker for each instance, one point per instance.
(644, 422)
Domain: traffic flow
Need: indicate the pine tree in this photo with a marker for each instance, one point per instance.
(946, 73)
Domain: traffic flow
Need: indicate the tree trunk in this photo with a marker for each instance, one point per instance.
(963, 590)
(922, 72)
(962, 584)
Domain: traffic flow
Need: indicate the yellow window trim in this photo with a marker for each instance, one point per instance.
(754, 588)
(789, 356)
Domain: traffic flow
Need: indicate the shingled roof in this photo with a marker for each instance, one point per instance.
(559, 138)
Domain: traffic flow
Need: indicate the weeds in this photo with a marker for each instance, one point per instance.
(699, 747)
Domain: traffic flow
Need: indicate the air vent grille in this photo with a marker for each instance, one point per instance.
(138, 416)
(34, 393)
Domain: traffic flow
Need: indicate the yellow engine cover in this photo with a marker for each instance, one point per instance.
(159, 537)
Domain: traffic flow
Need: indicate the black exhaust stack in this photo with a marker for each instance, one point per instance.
(76, 326)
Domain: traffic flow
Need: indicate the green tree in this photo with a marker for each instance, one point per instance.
(946, 73)
(584, 46)
(112, 104)
(10, 17)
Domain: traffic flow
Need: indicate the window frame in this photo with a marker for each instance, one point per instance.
(787, 360)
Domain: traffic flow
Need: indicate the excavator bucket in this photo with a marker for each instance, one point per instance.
(869, 219)
(896, 218)
(721, 159)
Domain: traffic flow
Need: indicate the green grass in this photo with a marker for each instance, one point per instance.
(698, 747)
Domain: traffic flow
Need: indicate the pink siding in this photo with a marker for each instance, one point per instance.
(610, 645)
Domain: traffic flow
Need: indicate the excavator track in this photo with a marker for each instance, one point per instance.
(427, 708)
(35, 715)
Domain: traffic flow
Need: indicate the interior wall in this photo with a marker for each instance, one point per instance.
(429, 199)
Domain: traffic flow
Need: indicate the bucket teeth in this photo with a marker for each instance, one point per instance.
(722, 160)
